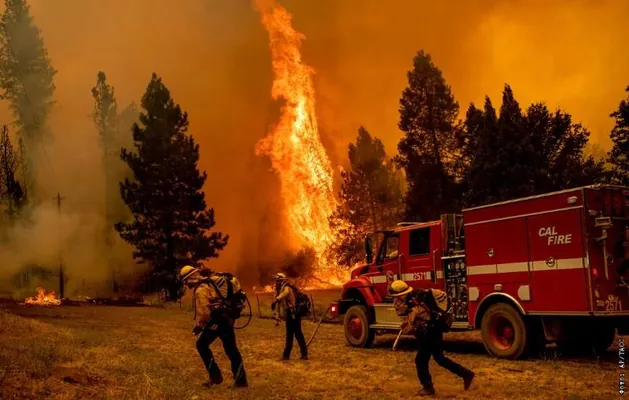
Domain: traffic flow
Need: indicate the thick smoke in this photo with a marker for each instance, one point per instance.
(214, 56)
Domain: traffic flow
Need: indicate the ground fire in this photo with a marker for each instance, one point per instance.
(43, 299)
(294, 145)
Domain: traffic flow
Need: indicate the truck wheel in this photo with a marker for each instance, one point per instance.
(504, 332)
(356, 323)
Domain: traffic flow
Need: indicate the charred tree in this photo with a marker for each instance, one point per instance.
(12, 193)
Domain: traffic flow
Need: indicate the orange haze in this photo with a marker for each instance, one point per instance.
(215, 58)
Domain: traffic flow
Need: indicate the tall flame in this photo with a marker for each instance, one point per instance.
(294, 145)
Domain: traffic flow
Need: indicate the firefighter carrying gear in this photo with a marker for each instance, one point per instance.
(285, 296)
(421, 309)
(212, 323)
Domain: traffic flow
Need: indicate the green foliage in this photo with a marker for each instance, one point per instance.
(428, 153)
(370, 198)
(619, 154)
(171, 221)
(26, 74)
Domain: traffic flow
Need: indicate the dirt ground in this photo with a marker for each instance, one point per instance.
(102, 352)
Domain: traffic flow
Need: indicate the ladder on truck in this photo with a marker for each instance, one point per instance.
(455, 268)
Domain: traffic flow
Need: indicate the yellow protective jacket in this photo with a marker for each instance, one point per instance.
(205, 300)
(286, 297)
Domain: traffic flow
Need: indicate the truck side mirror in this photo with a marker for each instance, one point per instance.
(368, 250)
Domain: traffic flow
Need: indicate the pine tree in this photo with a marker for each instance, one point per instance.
(428, 151)
(171, 221)
(559, 151)
(482, 147)
(517, 155)
(371, 198)
(619, 154)
(26, 76)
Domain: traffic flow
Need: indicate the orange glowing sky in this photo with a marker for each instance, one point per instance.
(214, 56)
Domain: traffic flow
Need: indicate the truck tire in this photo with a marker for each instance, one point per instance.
(356, 324)
(504, 332)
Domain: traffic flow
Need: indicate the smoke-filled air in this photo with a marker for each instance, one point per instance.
(275, 92)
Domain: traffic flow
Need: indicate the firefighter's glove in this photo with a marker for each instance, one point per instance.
(273, 305)
(196, 330)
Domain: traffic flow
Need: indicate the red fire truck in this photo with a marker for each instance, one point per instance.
(547, 268)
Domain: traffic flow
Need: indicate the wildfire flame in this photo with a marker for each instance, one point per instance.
(43, 299)
(294, 144)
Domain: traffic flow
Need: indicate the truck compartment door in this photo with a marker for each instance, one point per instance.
(558, 274)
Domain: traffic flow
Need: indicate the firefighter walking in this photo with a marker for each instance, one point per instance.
(212, 322)
(285, 296)
(422, 318)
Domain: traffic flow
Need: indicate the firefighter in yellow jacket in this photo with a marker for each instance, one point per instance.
(212, 323)
(420, 311)
(285, 295)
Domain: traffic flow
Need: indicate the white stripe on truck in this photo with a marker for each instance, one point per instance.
(535, 266)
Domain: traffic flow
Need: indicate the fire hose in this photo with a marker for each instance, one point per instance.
(317, 327)
(248, 318)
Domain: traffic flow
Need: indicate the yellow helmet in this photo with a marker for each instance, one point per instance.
(280, 276)
(399, 288)
(187, 272)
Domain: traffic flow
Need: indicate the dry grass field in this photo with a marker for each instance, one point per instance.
(139, 353)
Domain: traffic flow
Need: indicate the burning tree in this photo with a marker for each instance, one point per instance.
(294, 144)
(171, 221)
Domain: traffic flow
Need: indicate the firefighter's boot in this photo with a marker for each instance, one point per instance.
(467, 381)
(213, 382)
(427, 391)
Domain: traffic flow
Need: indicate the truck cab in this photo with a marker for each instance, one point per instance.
(414, 253)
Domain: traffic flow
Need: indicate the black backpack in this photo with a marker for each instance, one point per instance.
(302, 302)
(235, 298)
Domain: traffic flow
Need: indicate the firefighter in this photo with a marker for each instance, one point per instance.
(420, 310)
(285, 295)
(211, 323)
